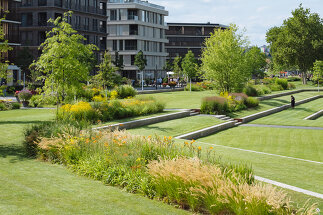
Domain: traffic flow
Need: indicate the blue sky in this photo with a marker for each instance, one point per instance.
(256, 16)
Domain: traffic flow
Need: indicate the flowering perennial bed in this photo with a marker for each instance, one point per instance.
(158, 168)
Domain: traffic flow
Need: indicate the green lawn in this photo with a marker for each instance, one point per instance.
(295, 117)
(293, 172)
(178, 126)
(272, 103)
(29, 186)
(182, 99)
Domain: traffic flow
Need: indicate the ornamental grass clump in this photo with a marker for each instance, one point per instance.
(81, 111)
(204, 187)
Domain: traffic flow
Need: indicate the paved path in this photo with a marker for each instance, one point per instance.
(282, 126)
(289, 187)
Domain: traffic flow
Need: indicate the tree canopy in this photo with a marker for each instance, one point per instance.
(318, 71)
(107, 75)
(140, 61)
(298, 42)
(224, 59)
(65, 61)
(4, 48)
(189, 65)
(256, 62)
(177, 67)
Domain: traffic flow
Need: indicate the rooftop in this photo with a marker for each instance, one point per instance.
(197, 24)
(145, 3)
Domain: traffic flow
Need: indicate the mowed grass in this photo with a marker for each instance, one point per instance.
(28, 186)
(178, 126)
(272, 103)
(182, 99)
(298, 143)
(295, 117)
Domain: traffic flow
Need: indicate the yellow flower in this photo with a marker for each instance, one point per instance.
(186, 143)
(211, 147)
(199, 148)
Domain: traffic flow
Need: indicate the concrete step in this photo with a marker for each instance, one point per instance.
(225, 118)
(238, 123)
(194, 113)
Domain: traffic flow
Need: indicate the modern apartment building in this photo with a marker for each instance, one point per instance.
(89, 19)
(135, 25)
(188, 36)
(10, 27)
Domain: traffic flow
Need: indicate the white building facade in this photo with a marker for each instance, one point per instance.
(134, 26)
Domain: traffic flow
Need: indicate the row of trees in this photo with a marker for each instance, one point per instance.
(297, 45)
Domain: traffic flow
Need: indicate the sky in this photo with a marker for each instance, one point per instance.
(255, 16)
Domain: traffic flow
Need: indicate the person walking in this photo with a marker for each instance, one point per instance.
(292, 101)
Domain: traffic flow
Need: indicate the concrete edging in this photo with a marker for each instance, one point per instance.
(147, 121)
(262, 98)
(275, 110)
(207, 131)
(315, 115)
(159, 91)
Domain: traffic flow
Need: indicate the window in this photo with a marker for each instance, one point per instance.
(121, 45)
(103, 43)
(87, 23)
(42, 2)
(87, 41)
(114, 45)
(58, 15)
(132, 60)
(41, 37)
(113, 15)
(132, 14)
(103, 26)
(58, 3)
(160, 47)
(95, 25)
(130, 44)
(133, 29)
(42, 19)
(26, 19)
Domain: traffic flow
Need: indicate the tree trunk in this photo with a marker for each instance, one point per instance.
(304, 78)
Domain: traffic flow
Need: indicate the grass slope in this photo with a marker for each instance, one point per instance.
(178, 126)
(295, 117)
(31, 187)
(272, 103)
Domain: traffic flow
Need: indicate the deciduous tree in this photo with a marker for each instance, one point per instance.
(65, 60)
(224, 59)
(190, 66)
(298, 42)
(141, 63)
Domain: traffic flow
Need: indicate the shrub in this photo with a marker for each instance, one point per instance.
(251, 102)
(2, 106)
(194, 87)
(15, 105)
(250, 90)
(275, 87)
(294, 78)
(126, 91)
(25, 95)
(291, 86)
(215, 105)
(282, 82)
(81, 111)
(36, 100)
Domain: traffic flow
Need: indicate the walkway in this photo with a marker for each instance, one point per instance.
(282, 126)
